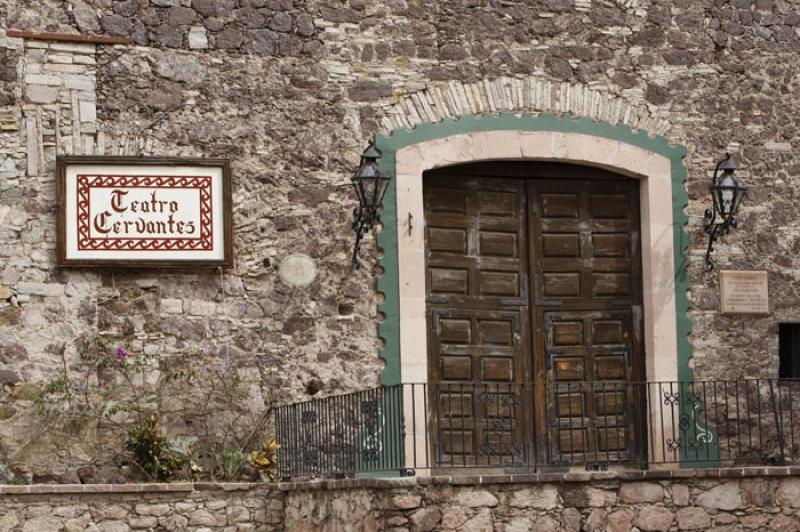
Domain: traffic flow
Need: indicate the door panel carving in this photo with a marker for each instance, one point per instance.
(534, 316)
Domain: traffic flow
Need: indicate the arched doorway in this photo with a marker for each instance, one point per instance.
(534, 314)
(651, 161)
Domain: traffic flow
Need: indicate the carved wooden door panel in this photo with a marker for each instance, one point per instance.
(477, 305)
(533, 294)
(586, 272)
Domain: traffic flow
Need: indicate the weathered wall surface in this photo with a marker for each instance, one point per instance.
(124, 507)
(290, 91)
(756, 503)
(565, 503)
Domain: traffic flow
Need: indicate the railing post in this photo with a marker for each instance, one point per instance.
(778, 422)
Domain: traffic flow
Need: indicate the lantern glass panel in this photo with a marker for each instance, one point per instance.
(740, 191)
(382, 186)
(359, 190)
(727, 194)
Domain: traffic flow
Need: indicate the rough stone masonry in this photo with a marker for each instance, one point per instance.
(563, 505)
(291, 90)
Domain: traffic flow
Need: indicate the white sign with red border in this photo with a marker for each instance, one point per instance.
(143, 211)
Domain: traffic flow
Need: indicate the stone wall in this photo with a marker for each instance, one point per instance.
(645, 501)
(291, 90)
(714, 500)
(125, 507)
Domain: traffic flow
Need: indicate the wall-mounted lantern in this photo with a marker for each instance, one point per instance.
(370, 186)
(727, 194)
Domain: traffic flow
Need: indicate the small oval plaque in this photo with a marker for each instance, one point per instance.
(298, 270)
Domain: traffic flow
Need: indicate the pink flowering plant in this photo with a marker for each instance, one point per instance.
(116, 391)
(168, 422)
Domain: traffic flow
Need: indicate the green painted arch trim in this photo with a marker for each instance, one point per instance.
(389, 144)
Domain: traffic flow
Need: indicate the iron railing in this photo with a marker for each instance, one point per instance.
(521, 428)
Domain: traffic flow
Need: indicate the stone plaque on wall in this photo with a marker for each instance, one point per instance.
(743, 292)
(298, 270)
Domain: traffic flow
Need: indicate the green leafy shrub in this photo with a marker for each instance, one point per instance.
(170, 423)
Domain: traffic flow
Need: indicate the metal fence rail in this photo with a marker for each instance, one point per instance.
(507, 427)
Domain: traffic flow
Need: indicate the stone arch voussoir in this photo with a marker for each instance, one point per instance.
(534, 95)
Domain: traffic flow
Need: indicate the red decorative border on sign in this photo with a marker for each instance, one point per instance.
(205, 242)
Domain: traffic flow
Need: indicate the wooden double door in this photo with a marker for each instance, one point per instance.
(534, 315)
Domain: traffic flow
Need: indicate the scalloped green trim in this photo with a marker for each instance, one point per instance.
(388, 283)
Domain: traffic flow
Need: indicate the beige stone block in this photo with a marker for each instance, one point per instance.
(198, 40)
(783, 523)
(35, 44)
(76, 48)
(79, 82)
(485, 146)
(788, 493)
(639, 492)
(43, 524)
(41, 93)
(658, 167)
(198, 307)
(60, 67)
(620, 520)
(544, 497)
(84, 60)
(535, 145)
(8, 122)
(152, 509)
(693, 519)
(454, 517)
(44, 79)
(88, 111)
(680, 495)
(205, 518)
(11, 43)
(34, 55)
(654, 518)
(172, 306)
(403, 501)
(40, 289)
(426, 518)
(472, 498)
(726, 496)
(408, 161)
(61, 59)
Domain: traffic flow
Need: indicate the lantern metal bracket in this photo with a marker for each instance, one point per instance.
(725, 212)
(370, 186)
(364, 219)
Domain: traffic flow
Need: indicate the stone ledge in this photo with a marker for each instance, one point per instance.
(166, 487)
(540, 478)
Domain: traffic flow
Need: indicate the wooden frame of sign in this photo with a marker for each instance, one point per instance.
(143, 212)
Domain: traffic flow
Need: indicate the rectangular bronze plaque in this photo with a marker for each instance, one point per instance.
(743, 292)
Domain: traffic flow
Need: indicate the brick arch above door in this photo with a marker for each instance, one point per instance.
(651, 159)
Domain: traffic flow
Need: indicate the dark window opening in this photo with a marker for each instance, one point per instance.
(789, 350)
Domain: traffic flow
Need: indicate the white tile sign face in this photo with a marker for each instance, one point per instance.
(147, 213)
